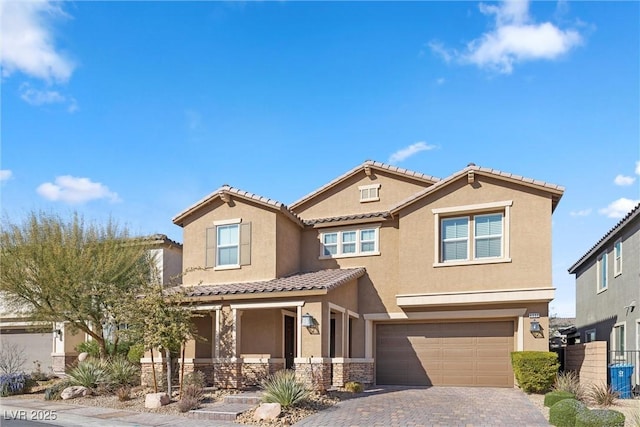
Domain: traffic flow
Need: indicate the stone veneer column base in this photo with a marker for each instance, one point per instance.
(198, 365)
(346, 370)
(255, 370)
(60, 362)
(227, 374)
(315, 373)
(146, 373)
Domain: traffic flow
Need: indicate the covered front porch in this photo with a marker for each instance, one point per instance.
(308, 323)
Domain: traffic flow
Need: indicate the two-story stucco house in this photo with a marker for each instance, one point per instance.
(608, 291)
(383, 275)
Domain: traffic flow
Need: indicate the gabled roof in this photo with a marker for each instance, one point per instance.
(606, 238)
(227, 191)
(348, 218)
(555, 190)
(367, 166)
(162, 239)
(317, 280)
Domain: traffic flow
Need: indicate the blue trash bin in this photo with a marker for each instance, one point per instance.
(620, 375)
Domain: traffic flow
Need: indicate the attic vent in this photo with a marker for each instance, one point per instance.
(369, 193)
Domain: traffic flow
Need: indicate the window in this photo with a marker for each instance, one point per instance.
(617, 258)
(228, 244)
(349, 242)
(602, 272)
(590, 335)
(228, 238)
(486, 237)
(369, 193)
(619, 339)
(472, 234)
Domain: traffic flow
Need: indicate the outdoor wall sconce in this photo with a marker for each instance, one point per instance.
(308, 321)
(536, 329)
(58, 334)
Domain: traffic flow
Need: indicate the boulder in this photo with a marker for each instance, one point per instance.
(74, 391)
(156, 400)
(267, 411)
(82, 357)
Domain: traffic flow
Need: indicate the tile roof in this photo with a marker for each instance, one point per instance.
(606, 238)
(557, 190)
(371, 215)
(371, 164)
(317, 280)
(227, 189)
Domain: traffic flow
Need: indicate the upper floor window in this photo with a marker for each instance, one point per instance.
(472, 234)
(617, 258)
(349, 242)
(602, 272)
(369, 193)
(228, 244)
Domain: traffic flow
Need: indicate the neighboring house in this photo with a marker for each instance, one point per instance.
(52, 344)
(382, 275)
(608, 291)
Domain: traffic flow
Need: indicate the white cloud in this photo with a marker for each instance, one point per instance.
(5, 175)
(409, 151)
(583, 212)
(514, 39)
(27, 41)
(39, 97)
(619, 208)
(75, 190)
(623, 180)
(638, 168)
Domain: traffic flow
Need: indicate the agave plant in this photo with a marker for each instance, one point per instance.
(122, 372)
(284, 388)
(90, 373)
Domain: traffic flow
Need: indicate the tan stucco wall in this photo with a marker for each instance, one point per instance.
(344, 198)
(263, 243)
(261, 332)
(288, 246)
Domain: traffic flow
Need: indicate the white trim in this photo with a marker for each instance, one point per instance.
(357, 243)
(614, 337)
(458, 314)
(472, 262)
(520, 333)
(336, 307)
(353, 314)
(600, 260)
(617, 270)
(226, 267)
(311, 360)
(257, 305)
(298, 332)
(351, 360)
(475, 297)
(369, 187)
(476, 207)
(227, 221)
(216, 338)
(211, 307)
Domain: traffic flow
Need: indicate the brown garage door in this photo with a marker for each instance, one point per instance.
(454, 354)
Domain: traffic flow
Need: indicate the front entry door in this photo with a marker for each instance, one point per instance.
(289, 341)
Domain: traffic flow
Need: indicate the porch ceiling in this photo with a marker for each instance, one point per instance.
(313, 281)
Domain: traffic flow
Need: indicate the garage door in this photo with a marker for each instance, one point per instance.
(454, 354)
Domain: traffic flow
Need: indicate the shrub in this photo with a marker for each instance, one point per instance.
(601, 395)
(37, 374)
(535, 371)
(12, 358)
(563, 413)
(123, 393)
(570, 382)
(554, 397)
(353, 387)
(53, 392)
(186, 404)
(194, 378)
(600, 418)
(90, 373)
(14, 383)
(122, 372)
(135, 353)
(283, 388)
(90, 347)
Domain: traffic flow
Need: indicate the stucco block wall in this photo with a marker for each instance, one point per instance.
(589, 361)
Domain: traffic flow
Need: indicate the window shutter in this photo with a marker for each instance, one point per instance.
(245, 243)
(210, 260)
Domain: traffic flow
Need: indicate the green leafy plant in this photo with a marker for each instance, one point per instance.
(563, 413)
(135, 353)
(122, 372)
(535, 371)
(601, 395)
(554, 397)
(600, 418)
(353, 387)
(90, 373)
(53, 392)
(284, 388)
(570, 382)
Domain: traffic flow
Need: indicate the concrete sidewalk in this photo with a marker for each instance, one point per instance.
(24, 412)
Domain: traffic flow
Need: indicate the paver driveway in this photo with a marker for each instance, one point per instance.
(392, 406)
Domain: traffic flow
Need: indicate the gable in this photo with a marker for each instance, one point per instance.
(344, 197)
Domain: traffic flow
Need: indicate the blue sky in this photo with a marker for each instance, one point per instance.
(136, 110)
